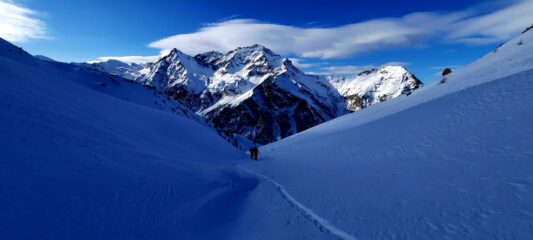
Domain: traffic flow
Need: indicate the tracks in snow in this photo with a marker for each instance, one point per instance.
(321, 223)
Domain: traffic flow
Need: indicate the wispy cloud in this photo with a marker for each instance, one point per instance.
(413, 30)
(18, 23)
(343, 41)
(493, 27)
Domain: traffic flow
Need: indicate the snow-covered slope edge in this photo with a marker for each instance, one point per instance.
(451, 161)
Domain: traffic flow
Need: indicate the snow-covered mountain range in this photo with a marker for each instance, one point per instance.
(85, 154)
(259, 95)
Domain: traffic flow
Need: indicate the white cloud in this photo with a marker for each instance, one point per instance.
(412, 30)
(18, 23)
(129, 59)
(343, 41)
(469, 26)
(497, 26)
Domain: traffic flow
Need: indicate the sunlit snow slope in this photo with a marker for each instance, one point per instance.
(451, 161)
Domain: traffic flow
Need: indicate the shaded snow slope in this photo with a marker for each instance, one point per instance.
(79, 163)
(79, 160)
(451, 161)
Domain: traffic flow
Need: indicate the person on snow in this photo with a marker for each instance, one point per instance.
(444, 73)
(254, 153)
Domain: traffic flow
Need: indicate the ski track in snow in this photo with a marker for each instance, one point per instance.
(322, 224)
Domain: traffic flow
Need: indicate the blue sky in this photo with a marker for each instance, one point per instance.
(340, 37)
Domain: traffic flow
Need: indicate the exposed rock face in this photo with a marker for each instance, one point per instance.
(270, 113)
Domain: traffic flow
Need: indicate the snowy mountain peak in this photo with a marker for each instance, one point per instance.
(395, 70)
(253, 52)
(256, 48)
(176, 73)
(117, 63)
(255, 60)
(116, 67)
(375, 85)
(243, 53)
(176, 54)
(174, 51)
(384, 69)
(287, 65)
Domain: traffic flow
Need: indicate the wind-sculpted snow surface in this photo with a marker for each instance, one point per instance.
(451, 161)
